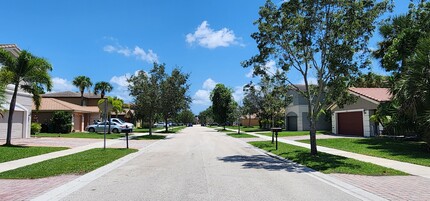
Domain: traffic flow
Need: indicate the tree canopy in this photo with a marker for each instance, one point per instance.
(322, 39)
(28, 72)
(102, 88)
(221, 98)
(82, 83)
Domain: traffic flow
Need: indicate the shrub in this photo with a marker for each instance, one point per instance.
(35, 128)
(61, 122)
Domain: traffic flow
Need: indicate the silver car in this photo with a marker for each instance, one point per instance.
(114, 127)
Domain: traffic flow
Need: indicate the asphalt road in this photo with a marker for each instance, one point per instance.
(202, 164)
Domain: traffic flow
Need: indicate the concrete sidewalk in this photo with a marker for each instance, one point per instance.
(10, 165)
(409, 168)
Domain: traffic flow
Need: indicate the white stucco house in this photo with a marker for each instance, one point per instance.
(24, 102)
(296, 118)
(354, 119)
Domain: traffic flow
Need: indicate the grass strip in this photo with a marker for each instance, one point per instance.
(175, 129)
(242, 135)
(79, 163)
(324, 162)
(291, 133)
(394, 149)
(10, 153)
(81, 135)
(149, 137)
(248, 129)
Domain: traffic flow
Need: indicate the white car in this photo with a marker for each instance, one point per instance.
(119, 121)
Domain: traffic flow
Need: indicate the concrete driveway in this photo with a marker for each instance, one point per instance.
(202, 164)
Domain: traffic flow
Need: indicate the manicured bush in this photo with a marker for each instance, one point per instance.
(35, 128)
(61, 122)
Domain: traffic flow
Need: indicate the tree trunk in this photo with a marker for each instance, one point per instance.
(11, 111)
(249, 121)
(150, 126)
(165, 125)
(313, 139)
(82, 98)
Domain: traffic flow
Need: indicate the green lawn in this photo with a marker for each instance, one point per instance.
(242, 135)
(149, 137)
(399, 150)
(81, 135)
(10, 153)
(79, 163)
(291, 133)
(325, 163)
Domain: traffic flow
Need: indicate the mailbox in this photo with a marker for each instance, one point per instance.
(276, 130)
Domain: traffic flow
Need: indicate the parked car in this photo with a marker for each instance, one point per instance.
(160, 124)
(120, 121)
(114, 127)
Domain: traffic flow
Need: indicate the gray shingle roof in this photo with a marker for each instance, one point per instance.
(69, 94)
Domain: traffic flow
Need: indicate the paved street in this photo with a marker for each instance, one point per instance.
(202, 164)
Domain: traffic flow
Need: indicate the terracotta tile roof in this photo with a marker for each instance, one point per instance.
(14, 49)
(376, 94)
(52, 104)
(69, 94)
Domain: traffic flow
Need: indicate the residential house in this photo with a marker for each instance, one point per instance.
(22, 115)
(82, 116)
(249, 120)
(354, 119)
(296, 118)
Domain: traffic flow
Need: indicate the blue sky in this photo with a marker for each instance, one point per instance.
(110, 40)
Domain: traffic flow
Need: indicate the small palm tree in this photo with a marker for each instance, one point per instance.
(29, 73)
(102, 87)
(82, 82)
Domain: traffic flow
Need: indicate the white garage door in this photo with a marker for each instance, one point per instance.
(17, 126)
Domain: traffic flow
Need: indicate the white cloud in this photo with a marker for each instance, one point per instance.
(120, 87)
(120, 80)
(60, 84)
(270, 67)
(147, 56)
(209, 38)
(202, 96)
(238, 94)
(209, 84)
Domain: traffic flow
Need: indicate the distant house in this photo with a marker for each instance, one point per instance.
(296, 118)
(354, 119)
(22, 115)
(82, 116)
(249, 120)
(75, 97)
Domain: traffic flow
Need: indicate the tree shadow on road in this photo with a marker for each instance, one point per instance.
(265, 162)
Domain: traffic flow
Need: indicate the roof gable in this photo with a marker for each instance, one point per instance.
(374, 94)
(70, 94)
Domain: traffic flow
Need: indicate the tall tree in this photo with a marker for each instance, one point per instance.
(206, 116)
(28, 72)
(174, 97)
(326, 39)
(221, 98)
(82, 82)
(103, 88)
(145, 89)
(186, 116)
(371, 80)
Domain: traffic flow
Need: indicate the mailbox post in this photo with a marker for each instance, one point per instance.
(126, 134)
(276, 130)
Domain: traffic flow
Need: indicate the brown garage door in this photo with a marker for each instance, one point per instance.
(350, 123)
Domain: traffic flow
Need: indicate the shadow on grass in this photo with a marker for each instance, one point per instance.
(322, 162)
(149, 137)
(265, 162)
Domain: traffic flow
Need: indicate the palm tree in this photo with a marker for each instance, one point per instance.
(82, 82)
(28, 72)
(102, 87)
